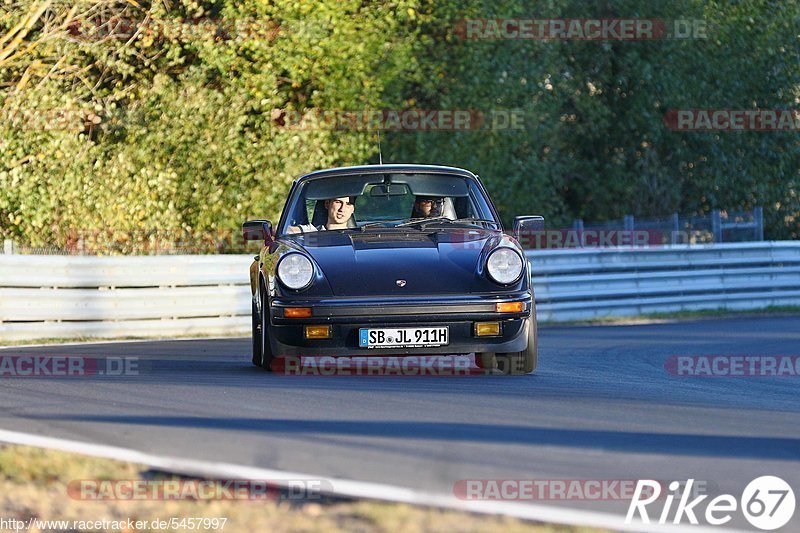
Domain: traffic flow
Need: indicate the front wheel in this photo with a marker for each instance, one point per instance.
(266, 348)
(256, 336)
(524, 362)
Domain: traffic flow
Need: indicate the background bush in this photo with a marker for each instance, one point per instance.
(163, 125)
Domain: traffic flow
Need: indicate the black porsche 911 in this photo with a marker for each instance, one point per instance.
(393, 260)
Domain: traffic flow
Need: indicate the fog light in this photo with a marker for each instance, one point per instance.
(509, 307)
(297, 312)
(487, 329)
(317, 332)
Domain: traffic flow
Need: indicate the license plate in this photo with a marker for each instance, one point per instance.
(403, 337)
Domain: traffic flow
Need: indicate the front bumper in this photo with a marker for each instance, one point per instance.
(346, 316)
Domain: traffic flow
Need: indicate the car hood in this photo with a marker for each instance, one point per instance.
(378, 262)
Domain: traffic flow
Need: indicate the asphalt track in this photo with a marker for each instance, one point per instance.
(600, 407)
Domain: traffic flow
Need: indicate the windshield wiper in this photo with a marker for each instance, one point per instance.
(425, 221)
(378, 223)
(422, 221)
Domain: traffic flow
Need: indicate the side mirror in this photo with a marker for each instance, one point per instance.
(257, 230)
(527, 225)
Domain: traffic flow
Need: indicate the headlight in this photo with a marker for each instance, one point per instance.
(504, 265)
(295, 271)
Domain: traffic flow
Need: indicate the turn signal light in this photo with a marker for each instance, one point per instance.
(487, 329)
(509, 307)
(297, 312)
(317, 332)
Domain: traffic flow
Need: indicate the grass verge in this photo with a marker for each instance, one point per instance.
(34, 484)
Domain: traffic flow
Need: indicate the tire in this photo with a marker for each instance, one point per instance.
(524, 362)
(266, 348)
(256, 335)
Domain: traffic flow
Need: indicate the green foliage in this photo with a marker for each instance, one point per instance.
(174, 129)
(595, 144)
(175, 119)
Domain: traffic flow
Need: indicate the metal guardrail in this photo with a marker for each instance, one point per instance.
(149, 296)
(138, 296)
(597, 283)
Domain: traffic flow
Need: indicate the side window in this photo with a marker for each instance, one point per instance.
(299, 212)
(310, 209)
(478, 208)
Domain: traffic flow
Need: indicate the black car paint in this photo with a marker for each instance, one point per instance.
(357, 273)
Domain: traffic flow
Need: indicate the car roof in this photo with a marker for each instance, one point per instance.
(380, 169)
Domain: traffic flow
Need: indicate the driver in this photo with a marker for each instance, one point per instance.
(339, 212)
(427, 206)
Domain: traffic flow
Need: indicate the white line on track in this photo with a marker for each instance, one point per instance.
(348, 488)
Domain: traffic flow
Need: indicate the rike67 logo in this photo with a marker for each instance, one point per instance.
(767, 503)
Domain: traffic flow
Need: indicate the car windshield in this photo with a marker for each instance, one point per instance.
(404, 200)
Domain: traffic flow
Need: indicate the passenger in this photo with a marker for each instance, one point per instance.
(340, 210)
(427, 206)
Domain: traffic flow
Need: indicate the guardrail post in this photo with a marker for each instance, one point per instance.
(716, 225)
(676, 228)
(8, 247)
(758, 219)
(627, 222)
(577, 225)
